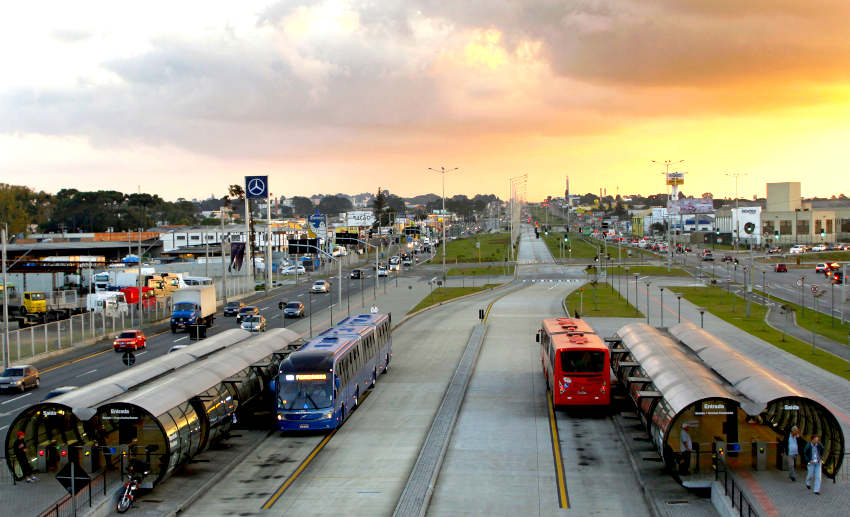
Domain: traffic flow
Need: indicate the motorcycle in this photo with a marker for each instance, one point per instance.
(136, 472)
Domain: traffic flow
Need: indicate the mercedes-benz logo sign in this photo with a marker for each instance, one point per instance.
(256, 187)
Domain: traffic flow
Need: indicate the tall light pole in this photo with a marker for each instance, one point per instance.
(515, 182)
(675, 190)
(737, 175)
(442, 171)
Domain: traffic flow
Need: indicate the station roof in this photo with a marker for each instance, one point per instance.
(751, 379)
(163, 394)
(681, 378)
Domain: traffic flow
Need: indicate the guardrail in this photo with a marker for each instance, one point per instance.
(97, 488)
(733, 491)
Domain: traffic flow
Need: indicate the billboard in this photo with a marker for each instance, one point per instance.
(360, 218)
(675, 178)
(691, 205)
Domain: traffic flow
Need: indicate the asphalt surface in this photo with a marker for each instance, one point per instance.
(101, 361)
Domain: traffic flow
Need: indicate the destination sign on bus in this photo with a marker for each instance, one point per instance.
(311, 376)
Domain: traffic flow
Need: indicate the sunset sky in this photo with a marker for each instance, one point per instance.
(184, 98)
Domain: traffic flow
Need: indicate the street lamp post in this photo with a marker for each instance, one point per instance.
(442, 171)
(701, 313)
(679, 298)
(667, 164)
(647, 302)
(661, 305)
(636, 291)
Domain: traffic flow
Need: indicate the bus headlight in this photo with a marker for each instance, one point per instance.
(329, 414)
(280, 417)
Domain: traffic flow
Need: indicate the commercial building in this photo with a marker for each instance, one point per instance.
(788, 219)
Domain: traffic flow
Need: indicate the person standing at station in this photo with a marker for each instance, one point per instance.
(685, 448)
(20, 447)
(813, 456)
(792, 446)
(374, 309)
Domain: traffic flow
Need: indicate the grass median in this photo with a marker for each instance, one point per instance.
(580, 249)
(481, 271)
(817, 322)
(597, 300)
(494, 248)
(648, 271)
(730, 308)
(444, 294)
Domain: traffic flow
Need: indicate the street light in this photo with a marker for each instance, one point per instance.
(647, 302)
(442, 171)
(679, 297)
(667, 164)
(661, 306)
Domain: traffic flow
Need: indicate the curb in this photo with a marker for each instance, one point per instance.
(647, 496)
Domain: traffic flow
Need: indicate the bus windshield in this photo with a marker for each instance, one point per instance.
(305, 394)
(578, 361)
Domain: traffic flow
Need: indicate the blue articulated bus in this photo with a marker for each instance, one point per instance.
(319, 384)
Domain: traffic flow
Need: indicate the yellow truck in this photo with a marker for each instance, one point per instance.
(32, 302)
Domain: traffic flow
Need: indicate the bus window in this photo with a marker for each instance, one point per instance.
(575, 361)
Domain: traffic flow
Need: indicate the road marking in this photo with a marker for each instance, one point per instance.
(17, 398)
(563, 496)
(88, 372)
(300, 295)
(142, 353)
(181, 338)
(263, 308)
(292, 477)
(4, 427)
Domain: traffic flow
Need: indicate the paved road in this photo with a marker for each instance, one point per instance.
(101, 362)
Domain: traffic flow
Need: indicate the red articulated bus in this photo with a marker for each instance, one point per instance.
(576, 363)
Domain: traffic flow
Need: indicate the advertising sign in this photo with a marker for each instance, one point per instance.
(691, 205)
(257, 187)
(360, 218)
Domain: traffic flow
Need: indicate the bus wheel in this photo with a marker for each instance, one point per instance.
(386, 363)
(374, 377)
(357, 398)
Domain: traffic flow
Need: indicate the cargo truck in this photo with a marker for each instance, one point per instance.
(193, 306)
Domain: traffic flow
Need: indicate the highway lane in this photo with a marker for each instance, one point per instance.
(102, 362)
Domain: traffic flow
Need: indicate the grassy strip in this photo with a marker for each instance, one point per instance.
(729, 308)
(442, 294)
(494, 248)
(481, 271)
(648, 270)
(580, 248)
(815, 321)
(808, 258)
(539, 214)
(598, 301)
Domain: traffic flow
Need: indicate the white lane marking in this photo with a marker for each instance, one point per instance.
(263, 308)
(142, 353)
(88, 372)
(4, 427)
(181, 338)
(17, 398)
(300, 295)
(275, 316)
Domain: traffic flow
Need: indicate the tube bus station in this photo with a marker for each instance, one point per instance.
(164, 411)
(734, 411)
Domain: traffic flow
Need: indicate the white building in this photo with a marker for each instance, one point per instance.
(743, 223)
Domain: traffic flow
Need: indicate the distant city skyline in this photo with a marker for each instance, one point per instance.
(339, 95)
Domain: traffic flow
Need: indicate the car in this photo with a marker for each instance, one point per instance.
(356, 274)
(707, 257)
(129, 340)
(382, 271)
(780, 268)
(796, 250)
(244, 312)
(19, 378)
(837, 277)
(727, 258)
(232, 308)
(254, 323)
(293, 270)
(406, 262)
(320, 286)
(293, 310)
(61, 390)
(776, 249)
(821, 268)
(819, 247)
(176, 348)
(394, 266)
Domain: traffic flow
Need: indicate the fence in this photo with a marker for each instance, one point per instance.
(96, 489)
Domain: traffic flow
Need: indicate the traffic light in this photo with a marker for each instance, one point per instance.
(566, 238)
(822, 234)
(776, 234)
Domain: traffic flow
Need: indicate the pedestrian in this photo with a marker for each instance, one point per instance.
(20, 448)
(374, 309)
(813, 456)
(685, 448)
(792, 446)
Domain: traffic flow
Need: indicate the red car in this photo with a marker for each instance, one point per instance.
(129, 340)
(780, 268)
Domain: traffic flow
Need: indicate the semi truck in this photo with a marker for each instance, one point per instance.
(193, 306)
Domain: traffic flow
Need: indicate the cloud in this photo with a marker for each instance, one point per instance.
(70, 35)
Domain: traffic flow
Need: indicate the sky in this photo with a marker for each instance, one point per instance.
(184, 98)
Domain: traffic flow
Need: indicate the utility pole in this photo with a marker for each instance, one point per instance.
(6, 305)
(268, 242)
(737, 175)
(139, 278)
(667, 219)
(442, 170)
(223, 256)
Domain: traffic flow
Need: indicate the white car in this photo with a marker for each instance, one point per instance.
(797, 250)
(394, 266)
(291, 270)
(819, 247)
(382, 271)
(320, 286)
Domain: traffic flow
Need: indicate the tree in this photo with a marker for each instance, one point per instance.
(333, 205)
(379, 208)
(12, 211)
(302, 206)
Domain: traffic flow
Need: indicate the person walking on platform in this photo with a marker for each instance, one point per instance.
(792, 446)
(685, 448)
(813, 456)
(20, 448)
